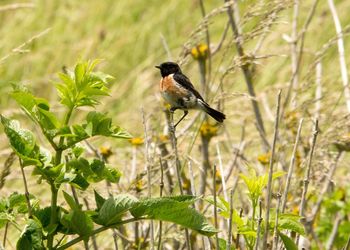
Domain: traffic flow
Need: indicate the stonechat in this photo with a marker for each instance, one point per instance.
(179, 92)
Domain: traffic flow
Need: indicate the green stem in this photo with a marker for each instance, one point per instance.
(53, 218)
(96, 231)
(54, 189)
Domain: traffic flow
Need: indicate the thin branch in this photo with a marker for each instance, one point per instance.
(20, 49)
(347, 246)
(332, 237)
(148, 167)
(166, 47)
(245, 69)
(207, 36)
(318, 94)
(16, 6)
(275, 231)
(291, 166)
(26, 194)
(222, 172)
(215, 207)
(258, 230)
(326, 186)
(229, 236)
(178, 167)
(272, 159)
(341, 51)
(161, 187)
(308, 170)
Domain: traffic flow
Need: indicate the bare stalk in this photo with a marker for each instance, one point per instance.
(245, 69)
(341, 51)
(222, 172)
(275, 231)
(5, 234)
(347, 246)
(26, 194)
(20, 48)
(207, 36)
(338, 220)
(326, 186)
(318, 94)
(308, 170)
(215, 207)
(259, 226)
(229, 236)
(291, 167)
(161, 187)
(178, 167)
(148, 167)
(272, 159)
(16, 6)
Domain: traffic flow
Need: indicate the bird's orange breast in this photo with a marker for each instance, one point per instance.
(168, 85)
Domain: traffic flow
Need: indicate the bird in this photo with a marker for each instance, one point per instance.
(177, 90)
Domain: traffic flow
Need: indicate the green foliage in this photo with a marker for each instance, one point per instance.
(31, 237)
(77, 88)
(335, 204)
(173, 209)
(288, 242)
(81, 87)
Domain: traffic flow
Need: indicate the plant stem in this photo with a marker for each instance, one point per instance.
(5, 235)
(96, 231)
(26, 194)
(259, 226)
(53, 217)
(275, 231)
(215, 207)
(161, 187)
(291, 167)
(269, 184)
(229, 236)
(246, 71)
(178, 167)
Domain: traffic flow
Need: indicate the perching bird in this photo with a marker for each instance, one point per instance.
(179, 92)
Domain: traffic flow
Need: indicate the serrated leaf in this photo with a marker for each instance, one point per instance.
(78, 222)
(22, 141)
(70, 201)
(113, 209)
(99, 200)
(288, 242)
(172, 210)
(31, 237)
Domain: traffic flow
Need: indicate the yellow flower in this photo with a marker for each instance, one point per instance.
(139, 185)
(163, 138)
(105, 152)
(200, 52)
(208, 130)
(136, 141)
(264, 159)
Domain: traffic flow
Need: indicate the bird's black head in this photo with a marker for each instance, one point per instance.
(168, 68)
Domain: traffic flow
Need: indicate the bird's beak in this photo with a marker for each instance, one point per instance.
(158, 67)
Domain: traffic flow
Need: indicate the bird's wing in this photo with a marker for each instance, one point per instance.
(186, 83)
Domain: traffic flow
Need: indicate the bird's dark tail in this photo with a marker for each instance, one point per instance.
(217, 115)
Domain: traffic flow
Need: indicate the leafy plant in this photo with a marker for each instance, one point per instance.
(247, 226)
(66, 163)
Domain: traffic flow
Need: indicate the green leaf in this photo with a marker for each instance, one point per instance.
(113, 209)
(31, 237)
(174, 210)
(70, 201)
(22, 141)
(99, 200)
(78, 222)
(288, 242)
(223, 244)
(291, 224)
(38, 109)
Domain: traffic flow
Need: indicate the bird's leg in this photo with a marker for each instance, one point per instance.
(185, 113)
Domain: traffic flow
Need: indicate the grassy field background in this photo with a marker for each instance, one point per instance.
(43, 37)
